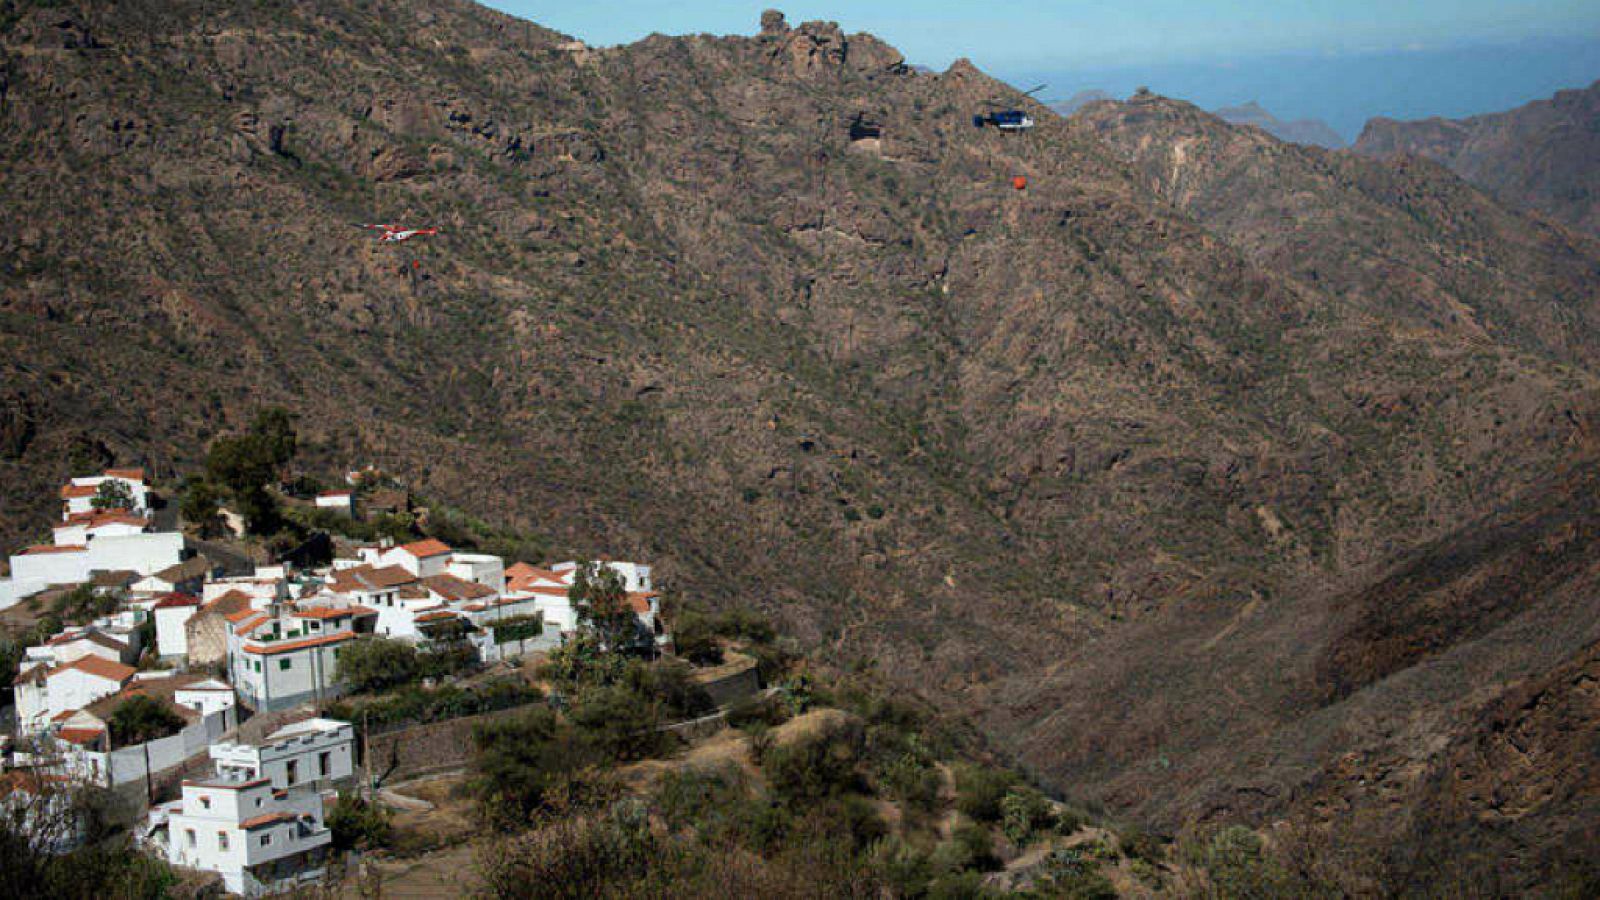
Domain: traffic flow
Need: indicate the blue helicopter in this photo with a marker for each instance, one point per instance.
(1006, 119)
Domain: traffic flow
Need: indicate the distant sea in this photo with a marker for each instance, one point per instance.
(1345, 90)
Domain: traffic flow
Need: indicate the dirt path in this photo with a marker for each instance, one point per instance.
(445, 873)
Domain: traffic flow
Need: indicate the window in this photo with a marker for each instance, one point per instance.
(257, 664)
(189, 833)
(266, 840)
(322, 763)
(222, 840)
(258, 803)
(285, 665)
(205, 802)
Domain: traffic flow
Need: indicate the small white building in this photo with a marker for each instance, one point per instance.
(259, 838)
(78, 493)
(480, 568)
(635, 576)
(337, 501)
(188, 577)
(420, 558)
(172, 613)
(81, 528)
(42, 695)
(84, 740)
(285, 655)
(260, 822)
(313, 753)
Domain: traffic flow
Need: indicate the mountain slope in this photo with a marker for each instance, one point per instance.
(682, 309)
(1539, 156)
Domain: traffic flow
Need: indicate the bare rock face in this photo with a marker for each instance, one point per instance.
(814, 49)
(773, 24)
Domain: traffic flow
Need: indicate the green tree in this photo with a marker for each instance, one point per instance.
(140, 719)
(620, 722)
(600, 596)
(695, 636)
(247, 464)
(357, 824)
(377, 663)
(524, 764)
(979, 791)
(112, 493)
(200, 506)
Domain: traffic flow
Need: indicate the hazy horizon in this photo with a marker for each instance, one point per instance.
(1341, 63)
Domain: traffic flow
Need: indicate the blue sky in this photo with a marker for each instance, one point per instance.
(1329, 58)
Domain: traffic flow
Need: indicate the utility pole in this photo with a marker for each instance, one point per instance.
(149, 788)
(366, 756)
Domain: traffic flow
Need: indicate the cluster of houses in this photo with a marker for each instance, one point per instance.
(226, 647)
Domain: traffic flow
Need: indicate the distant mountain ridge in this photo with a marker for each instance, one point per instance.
(1314, 132)
(1300, 131)
(1540, 156)
(1079, 100)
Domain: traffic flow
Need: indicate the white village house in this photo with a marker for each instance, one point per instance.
(88, 540)
(90, 752)
(260, 821)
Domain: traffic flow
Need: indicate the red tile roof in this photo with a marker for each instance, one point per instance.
(640, 600)
(332, 612)
(102, 668)
(129, 474)
(101, 517)
(228, 600)
(249, 625)
(436, 616)
(40, 549)
(72, 491)
(454, 589)
(427, 548)
(268, 819)
(334, 494)
(81, 736)
(522, 576)
(289, 646)
(367, 578)
(240, 615)
(176, 599)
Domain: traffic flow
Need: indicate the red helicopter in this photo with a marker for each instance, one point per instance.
(395, 234)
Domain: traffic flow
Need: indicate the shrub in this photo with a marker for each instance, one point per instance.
(525, 764)
(357, 824)
(694, 634)
(377, 663)
(910, 779)
(1023, 812)
(620, 722)
(980, 789)
(902, 868)
(140, 718)
(813, 767)
(970, 847)
(574, 857)
(749, 712)
(1238, 867)
(688, 798)
(1070, 874)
